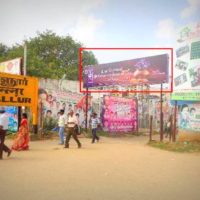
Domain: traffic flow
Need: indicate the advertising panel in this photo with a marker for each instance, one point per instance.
(148, 70)
(187, 59)
(12, 67)
(189, 117)
(119, 114)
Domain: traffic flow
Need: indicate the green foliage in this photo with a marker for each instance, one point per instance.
(189, 147)
(49, 56)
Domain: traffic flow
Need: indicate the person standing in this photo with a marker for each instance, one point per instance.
(3, 130)
(71, 122)
(22, 139)
(94, 125)
(61, 125)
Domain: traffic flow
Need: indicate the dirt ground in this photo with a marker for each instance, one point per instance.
(113, 169)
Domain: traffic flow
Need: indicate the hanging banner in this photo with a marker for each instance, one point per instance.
(119, 114)
(11, 66)
(148, 70)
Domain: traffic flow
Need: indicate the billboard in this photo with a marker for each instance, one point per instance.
(119, 114)
(147, 70)
(187, 59)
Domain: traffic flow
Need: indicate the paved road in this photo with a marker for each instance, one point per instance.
(114, 169)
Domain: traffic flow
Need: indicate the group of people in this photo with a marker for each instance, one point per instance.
(71, 125)
(21, 142)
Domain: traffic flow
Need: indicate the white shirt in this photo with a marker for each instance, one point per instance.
(4, 121)
(72, 119)
(61, 121)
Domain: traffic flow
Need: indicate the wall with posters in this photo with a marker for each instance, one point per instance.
(12, 67)
(119, 114)
(187, 79)
(55, 95)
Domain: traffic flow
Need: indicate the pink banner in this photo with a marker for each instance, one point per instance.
(119, 114)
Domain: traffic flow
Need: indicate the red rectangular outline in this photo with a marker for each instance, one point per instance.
(132, 91)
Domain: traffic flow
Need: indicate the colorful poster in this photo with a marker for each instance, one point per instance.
(189, 117)
(187, 59)
(119, 114)
(12, 67)
(148, 70)
(12, 113)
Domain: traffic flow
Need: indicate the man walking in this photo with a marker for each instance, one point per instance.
(61, 125)
(94, 125)
(71, 122)
(3, 130)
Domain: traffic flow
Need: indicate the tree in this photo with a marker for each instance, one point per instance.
(50, 56)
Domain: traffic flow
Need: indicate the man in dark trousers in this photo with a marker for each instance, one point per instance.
(71, 122)
(3, 130)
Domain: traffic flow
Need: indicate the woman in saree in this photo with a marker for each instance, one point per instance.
(21, 141)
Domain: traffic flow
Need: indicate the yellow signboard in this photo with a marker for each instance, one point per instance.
(16, 90)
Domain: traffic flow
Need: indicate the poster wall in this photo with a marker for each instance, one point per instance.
(55, 95)
(119, 114)
(12, 67)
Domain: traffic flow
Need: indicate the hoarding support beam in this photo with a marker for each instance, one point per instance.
(161, 114)
(86, 111)
(150, 133)
(174, 128)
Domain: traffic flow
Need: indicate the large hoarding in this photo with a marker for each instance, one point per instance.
(119, 114)
(187, 59)
(147, 70)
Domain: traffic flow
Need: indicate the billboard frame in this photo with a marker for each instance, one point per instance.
(116, 91)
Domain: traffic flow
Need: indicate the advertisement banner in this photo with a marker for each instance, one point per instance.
(16, 90)
(186, 96)
(148, 70)
(189, 117)
(119, 114)
(11, 66)
(187, 59)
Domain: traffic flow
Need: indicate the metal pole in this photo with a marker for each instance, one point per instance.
(150, 133)
(25, 59)
(161, 114)
(174, 131)
(171, 128)
(86, 110)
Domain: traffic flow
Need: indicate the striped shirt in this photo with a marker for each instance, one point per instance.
(94, 123)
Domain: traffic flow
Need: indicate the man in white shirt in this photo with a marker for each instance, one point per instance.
(3, 130)
(71, 122)
(61, 125)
